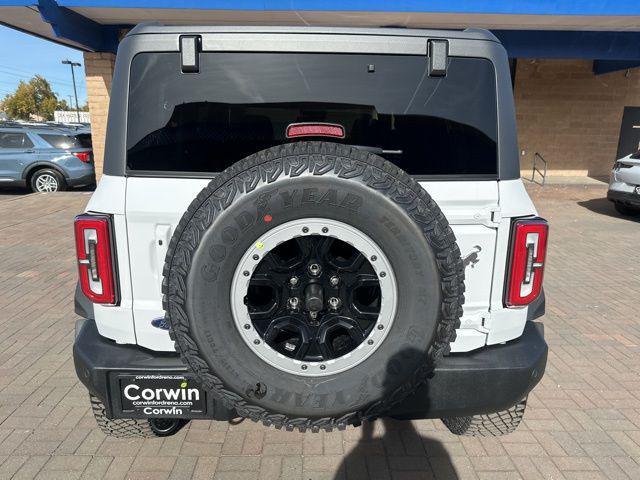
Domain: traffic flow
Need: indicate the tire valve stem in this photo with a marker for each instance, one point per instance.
(334, 303)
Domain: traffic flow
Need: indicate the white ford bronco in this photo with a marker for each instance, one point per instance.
(310, 228)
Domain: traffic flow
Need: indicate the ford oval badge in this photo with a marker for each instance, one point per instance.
(160, 323)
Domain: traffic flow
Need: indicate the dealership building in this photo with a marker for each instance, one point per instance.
(574, 63)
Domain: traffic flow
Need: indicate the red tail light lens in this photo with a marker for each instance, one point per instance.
(315, 130)
(528, 254)
(83, 156)
(95, 259)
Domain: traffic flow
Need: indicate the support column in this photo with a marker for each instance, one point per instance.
(99, 74)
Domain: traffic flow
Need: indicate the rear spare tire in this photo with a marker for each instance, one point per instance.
(313, 285)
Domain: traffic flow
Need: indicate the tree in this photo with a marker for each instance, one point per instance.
(63, 105)
(34, 97)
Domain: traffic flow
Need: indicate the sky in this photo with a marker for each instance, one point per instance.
(22, 56)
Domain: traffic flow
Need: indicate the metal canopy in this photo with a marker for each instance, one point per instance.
(589, 29)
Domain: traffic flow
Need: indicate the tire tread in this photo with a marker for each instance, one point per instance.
(488, 425)
(119, 427)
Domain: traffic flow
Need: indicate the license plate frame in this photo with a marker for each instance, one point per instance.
(159, 395)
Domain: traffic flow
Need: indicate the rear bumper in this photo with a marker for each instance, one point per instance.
(86, 179)
(627, 198)
(488, 380)
(483, 381)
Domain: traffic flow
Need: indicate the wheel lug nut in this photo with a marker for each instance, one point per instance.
(293, 281)
(315, 269)
(334, 281)
(293, 303)
(334, 303)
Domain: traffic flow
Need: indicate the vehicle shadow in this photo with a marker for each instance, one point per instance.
(388, 447)
(602, 206)
(6, 190)
(15, 191)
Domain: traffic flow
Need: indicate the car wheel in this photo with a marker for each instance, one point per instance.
(47, 180)
(625, 209)
(313, 286)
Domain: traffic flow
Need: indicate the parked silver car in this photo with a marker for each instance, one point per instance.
(624, 185)
(44, 158)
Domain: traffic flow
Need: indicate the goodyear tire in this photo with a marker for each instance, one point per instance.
(350, 194)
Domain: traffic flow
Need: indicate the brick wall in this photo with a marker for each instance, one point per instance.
(99, 73)
(571, 116)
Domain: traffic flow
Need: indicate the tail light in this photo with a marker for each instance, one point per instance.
(528, 254)
(83, 156)
(95, 259)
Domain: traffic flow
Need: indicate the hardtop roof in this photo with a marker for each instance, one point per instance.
(467, 34)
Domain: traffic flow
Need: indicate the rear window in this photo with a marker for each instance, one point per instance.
(14, 140)
(60, 141)
(84, 139)
(241, 103)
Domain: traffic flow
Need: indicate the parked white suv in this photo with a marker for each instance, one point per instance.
(624, 185)
(310, 228)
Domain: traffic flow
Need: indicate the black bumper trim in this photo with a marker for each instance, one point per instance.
(99, 362)
(483, 381)
(537, 308)
(627, 198)
(82, 305)
(88, 179)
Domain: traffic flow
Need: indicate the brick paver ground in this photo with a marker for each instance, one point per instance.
(583, 420)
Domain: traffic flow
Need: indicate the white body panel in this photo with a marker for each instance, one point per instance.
(507, 323)
(115, 322)
(479, 212)
(154, 208)
(625, 179)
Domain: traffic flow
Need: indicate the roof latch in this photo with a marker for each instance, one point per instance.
(190, 53)
(438, 51)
